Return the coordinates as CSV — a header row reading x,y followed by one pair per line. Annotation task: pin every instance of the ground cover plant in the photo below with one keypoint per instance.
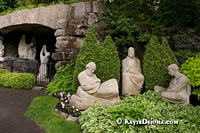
x,y
191,68
149,106
17,80
63,80
42,111
64,105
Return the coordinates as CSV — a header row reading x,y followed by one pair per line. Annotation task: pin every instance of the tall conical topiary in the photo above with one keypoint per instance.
x,y
156,62
110,62
89,52
169,52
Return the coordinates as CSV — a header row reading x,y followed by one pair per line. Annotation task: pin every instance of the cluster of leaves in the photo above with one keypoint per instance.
x,y
179,13
191,68
7,4
17,80
132,23
149,106
63,81
64,105
157,58
106,58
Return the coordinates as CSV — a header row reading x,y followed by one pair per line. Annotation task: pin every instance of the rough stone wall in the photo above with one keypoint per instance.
x,y
70,31
71,23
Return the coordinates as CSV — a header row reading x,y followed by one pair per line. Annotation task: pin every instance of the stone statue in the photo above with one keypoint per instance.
x,y
179,89
132,78
44,58
1,49
91,89
27,51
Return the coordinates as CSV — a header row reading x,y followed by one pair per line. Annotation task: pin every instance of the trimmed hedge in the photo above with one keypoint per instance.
x,y
149,106
63,82
157,58
89,52
17,80
109,67
105,57
191,68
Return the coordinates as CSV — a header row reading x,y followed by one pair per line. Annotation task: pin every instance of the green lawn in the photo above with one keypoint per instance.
x,y
42,111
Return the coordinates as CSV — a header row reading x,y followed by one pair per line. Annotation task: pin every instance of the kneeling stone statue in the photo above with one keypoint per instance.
x,y
179,89
91,90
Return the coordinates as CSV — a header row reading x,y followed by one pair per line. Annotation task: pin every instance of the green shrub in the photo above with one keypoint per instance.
x,y
169,52
157,58
105,57
109,66
2,71
18,80
149,106
63,82
90,52
191,68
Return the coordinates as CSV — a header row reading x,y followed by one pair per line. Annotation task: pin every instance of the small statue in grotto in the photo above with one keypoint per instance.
x,y
1,49
44,58
27,51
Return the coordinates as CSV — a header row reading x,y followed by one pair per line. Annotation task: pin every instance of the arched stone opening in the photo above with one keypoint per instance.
x,y
43,36
12,37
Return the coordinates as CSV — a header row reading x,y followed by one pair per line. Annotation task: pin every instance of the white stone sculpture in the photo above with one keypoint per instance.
x,y
132,78
1,49
179,89
91,90
44,58
27,51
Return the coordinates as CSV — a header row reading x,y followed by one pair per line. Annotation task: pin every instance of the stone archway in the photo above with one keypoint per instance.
x,y
42,34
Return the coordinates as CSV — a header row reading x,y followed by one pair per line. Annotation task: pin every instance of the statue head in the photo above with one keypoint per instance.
x,y
131,52
172,69
91,67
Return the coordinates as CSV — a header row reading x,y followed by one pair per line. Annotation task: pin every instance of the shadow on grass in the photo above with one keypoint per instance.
x,y
42,111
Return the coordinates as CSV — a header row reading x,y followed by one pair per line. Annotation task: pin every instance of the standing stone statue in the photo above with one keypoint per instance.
x,y
27,51
132,78
91,89
179,89
44,58
1,49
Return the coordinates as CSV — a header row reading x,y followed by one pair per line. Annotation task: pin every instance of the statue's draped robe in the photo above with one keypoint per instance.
x,y
91,84
132,78
179,90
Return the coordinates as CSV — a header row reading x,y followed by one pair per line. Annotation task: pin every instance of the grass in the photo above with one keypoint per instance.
x,y
39,5
42,111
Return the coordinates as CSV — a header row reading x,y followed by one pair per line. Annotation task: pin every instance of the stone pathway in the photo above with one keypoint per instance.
x,y
13,105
